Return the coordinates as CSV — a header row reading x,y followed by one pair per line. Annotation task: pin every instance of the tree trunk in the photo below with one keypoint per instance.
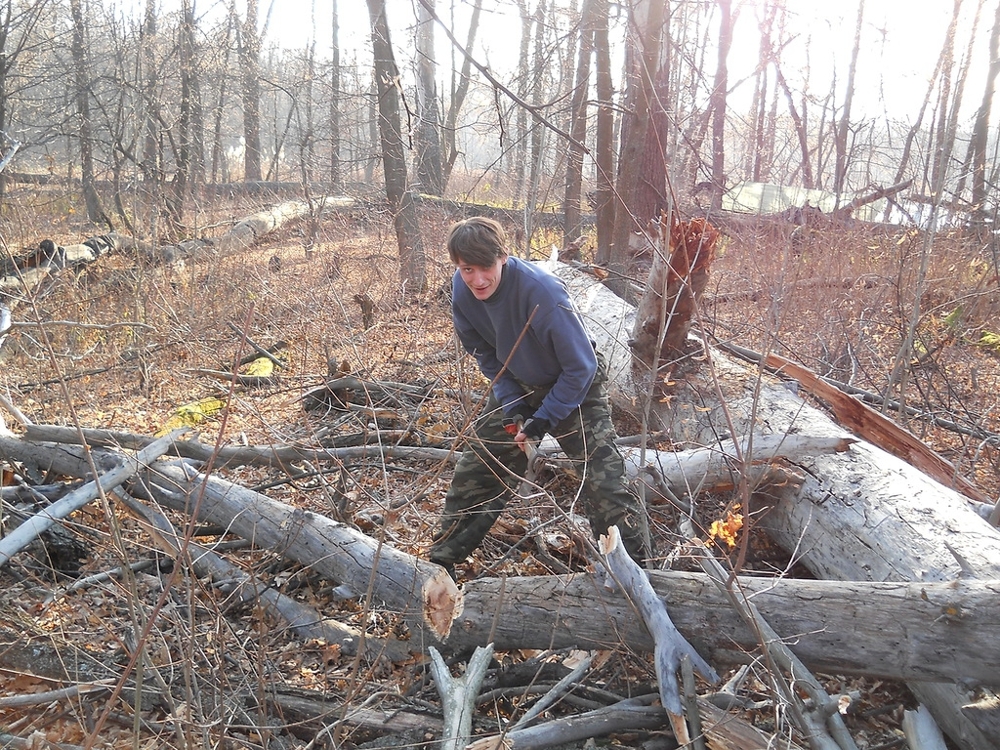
x,y
844,125
459,91
980,128
430,174
95,213
578,129
335,166
636,129
413,270
718,104
249,53
604,204
861,515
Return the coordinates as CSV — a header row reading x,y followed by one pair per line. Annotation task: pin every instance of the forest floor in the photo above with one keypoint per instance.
x,y
837,299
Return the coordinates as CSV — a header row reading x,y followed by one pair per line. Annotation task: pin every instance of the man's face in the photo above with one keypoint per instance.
x,y
482,280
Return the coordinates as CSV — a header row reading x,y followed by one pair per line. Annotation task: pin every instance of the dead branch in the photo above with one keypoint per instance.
x,y
458,695
670,646
824,731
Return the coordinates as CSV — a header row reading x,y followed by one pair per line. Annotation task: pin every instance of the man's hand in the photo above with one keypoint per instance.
x,y
531,432
513,420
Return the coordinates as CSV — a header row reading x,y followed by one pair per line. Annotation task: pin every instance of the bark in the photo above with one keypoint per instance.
x,y
420,591
604,204
95,213
458,695
718,105
460,91
670,647
301,619
634,165
249,54
844,124
22,276
335,166
800,128
25,533
980,128
669,306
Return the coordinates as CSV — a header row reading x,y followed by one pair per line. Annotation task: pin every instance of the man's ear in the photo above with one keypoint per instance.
x,y
503,259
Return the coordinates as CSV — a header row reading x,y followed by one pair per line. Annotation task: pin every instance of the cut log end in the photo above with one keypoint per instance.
x,y
443,603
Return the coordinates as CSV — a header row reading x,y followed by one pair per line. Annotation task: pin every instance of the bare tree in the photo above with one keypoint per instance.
x,y
412,262
459,92
17,23
605,152
95,212
844,125
191,145
980,129
718,104
335,86
430,173
248,46
578,128
634,167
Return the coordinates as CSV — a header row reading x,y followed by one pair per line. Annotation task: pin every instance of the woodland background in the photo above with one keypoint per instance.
x,y
168,127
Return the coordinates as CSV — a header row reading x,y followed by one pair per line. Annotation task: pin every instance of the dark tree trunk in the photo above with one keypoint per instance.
x,y
844,125
335,166
460,90
634,167
718,104
980,128
604,203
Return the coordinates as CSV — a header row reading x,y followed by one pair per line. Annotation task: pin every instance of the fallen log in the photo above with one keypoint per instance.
x,y
888,630
421,592
234,455
301,619
669,646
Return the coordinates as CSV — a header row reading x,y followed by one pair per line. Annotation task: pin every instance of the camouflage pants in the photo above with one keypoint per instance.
x,y
492,466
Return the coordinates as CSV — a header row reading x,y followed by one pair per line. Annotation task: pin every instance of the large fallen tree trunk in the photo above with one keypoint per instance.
x,y
859,515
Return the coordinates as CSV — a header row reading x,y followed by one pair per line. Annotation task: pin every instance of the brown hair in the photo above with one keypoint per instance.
x,y
477,241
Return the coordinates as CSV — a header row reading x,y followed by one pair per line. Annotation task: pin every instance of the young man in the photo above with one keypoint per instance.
x,y
519,323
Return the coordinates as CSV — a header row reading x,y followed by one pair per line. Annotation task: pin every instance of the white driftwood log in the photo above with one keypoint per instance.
x,y
303,620
921,732
670,646
400,582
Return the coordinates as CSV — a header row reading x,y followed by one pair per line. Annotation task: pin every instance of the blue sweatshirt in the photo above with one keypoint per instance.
x,y
556,353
